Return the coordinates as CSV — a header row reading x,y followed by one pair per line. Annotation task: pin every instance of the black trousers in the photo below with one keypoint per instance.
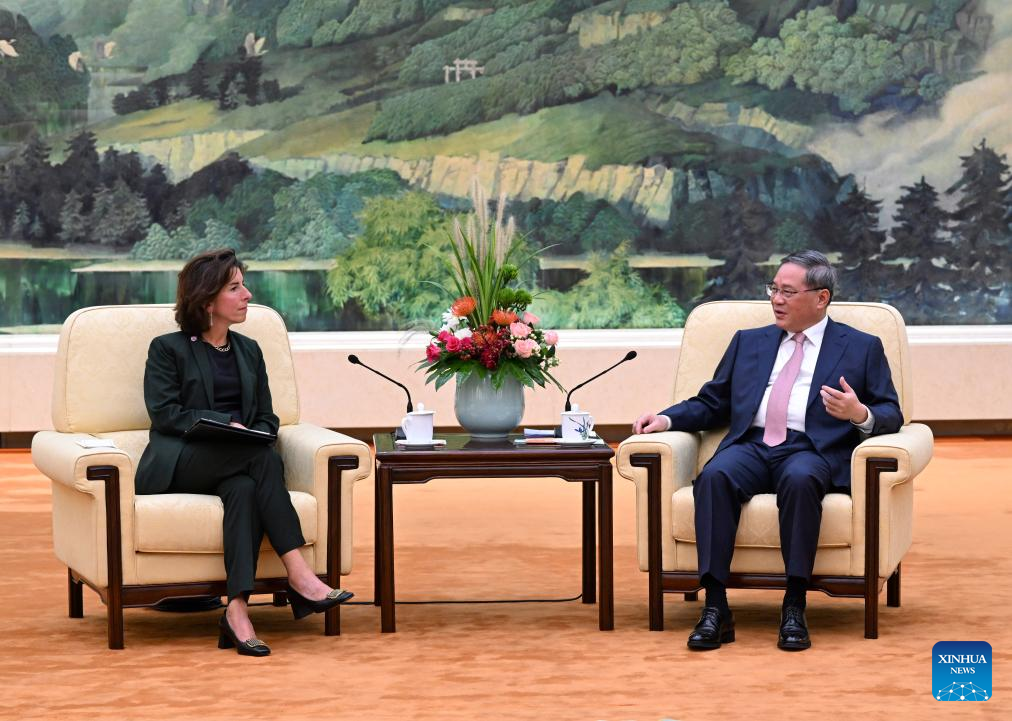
x,y
250,480
794,470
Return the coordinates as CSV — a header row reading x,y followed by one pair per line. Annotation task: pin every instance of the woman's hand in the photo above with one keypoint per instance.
x,y
236,424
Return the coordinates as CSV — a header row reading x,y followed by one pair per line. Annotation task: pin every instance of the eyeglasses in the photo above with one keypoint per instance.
x,y
786,294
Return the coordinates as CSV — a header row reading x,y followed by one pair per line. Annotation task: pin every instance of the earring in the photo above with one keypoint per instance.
x,y
210,318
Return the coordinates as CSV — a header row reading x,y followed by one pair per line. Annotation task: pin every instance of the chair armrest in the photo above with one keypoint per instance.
x,y
910,449
306,451
63,461
678,453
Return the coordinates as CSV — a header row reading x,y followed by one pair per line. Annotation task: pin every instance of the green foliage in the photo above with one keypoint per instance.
x,y
39,80
120,216
249,208
612,296
982,214
160,244
484,39
300,19
793,233
577,224
689,46
395,268
369,18
817,53
318,218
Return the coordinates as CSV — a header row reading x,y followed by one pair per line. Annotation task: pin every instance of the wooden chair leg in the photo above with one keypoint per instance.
x,y
75,596
692,596
893,589
115,621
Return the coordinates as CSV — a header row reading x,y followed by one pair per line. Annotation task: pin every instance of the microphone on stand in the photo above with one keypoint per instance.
x,y
628,357
398,432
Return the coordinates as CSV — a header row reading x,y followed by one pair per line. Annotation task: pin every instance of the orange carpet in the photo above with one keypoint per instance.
x,y
519,539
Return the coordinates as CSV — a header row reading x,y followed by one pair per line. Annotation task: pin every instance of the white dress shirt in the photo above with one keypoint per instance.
x,y
798,403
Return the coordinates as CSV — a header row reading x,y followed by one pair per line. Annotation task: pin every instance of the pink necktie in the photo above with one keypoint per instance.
x,y
776,408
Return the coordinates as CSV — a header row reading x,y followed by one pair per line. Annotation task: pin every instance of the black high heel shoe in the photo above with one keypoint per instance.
x,y
250,647
302,606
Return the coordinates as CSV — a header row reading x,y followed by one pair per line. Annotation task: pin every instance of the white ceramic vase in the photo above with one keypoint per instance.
x,y
487,413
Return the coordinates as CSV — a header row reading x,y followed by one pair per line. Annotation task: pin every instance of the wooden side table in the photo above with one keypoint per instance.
x,y
463,457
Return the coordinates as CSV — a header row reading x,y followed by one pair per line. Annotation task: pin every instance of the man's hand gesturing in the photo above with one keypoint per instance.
x,y
844,404
650,423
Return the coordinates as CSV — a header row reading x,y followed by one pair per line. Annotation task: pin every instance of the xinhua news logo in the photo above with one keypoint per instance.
x,y
961,671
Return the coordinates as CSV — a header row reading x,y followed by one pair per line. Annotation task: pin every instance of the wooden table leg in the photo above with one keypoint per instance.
x,y
589,541
606,605
377,541
388,622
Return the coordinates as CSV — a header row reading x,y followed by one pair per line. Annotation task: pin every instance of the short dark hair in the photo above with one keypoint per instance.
x,y
200,280
819,272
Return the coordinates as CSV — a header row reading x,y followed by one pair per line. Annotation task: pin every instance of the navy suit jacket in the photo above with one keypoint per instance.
x,y
733,397
179,391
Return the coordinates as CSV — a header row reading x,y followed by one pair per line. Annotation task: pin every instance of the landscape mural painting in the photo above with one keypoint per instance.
x,y
655,153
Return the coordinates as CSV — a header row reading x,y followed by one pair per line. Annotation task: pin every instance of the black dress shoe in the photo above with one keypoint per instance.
x,y
793,629
250,647
302,606
713,629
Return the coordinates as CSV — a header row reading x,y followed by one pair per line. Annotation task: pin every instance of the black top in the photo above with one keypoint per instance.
x,y
227,392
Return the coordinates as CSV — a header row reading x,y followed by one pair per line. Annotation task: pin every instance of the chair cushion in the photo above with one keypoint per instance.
x,y
191,522
759,526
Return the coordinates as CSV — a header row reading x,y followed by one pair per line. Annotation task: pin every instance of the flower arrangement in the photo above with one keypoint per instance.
x,y
488,330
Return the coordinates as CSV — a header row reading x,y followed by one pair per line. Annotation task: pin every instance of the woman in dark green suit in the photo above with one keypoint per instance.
x,y
206,371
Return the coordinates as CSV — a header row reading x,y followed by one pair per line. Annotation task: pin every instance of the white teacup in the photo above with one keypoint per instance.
x,y
576,425
418,425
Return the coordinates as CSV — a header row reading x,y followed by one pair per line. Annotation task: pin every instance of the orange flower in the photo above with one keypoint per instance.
x,y
503,317
463,306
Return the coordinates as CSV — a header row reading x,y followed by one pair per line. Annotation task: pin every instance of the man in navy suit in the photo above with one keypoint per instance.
x,y
798,395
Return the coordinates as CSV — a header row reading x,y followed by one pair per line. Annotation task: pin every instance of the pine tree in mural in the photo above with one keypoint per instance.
x,y
859,240
196,81
981,216
747,229
120,216
982,233
80,168
74,225
923,290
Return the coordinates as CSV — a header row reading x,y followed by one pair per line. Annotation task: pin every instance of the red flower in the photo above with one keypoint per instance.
x,y
453,344
444,335
463,306
466,343
432,353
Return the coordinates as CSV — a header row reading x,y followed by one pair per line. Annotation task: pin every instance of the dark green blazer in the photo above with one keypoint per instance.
x,y
179,390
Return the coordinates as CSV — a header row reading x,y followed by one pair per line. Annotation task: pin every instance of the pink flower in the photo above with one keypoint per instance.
x,y
466,343
453,344
524,348
520,330
530,318
551,337
432,353
444,335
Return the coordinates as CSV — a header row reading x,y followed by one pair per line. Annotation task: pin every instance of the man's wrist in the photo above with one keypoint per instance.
x,y
863,416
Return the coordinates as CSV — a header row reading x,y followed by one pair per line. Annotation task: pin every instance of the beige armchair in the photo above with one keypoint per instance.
x,y
138,550
863,536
